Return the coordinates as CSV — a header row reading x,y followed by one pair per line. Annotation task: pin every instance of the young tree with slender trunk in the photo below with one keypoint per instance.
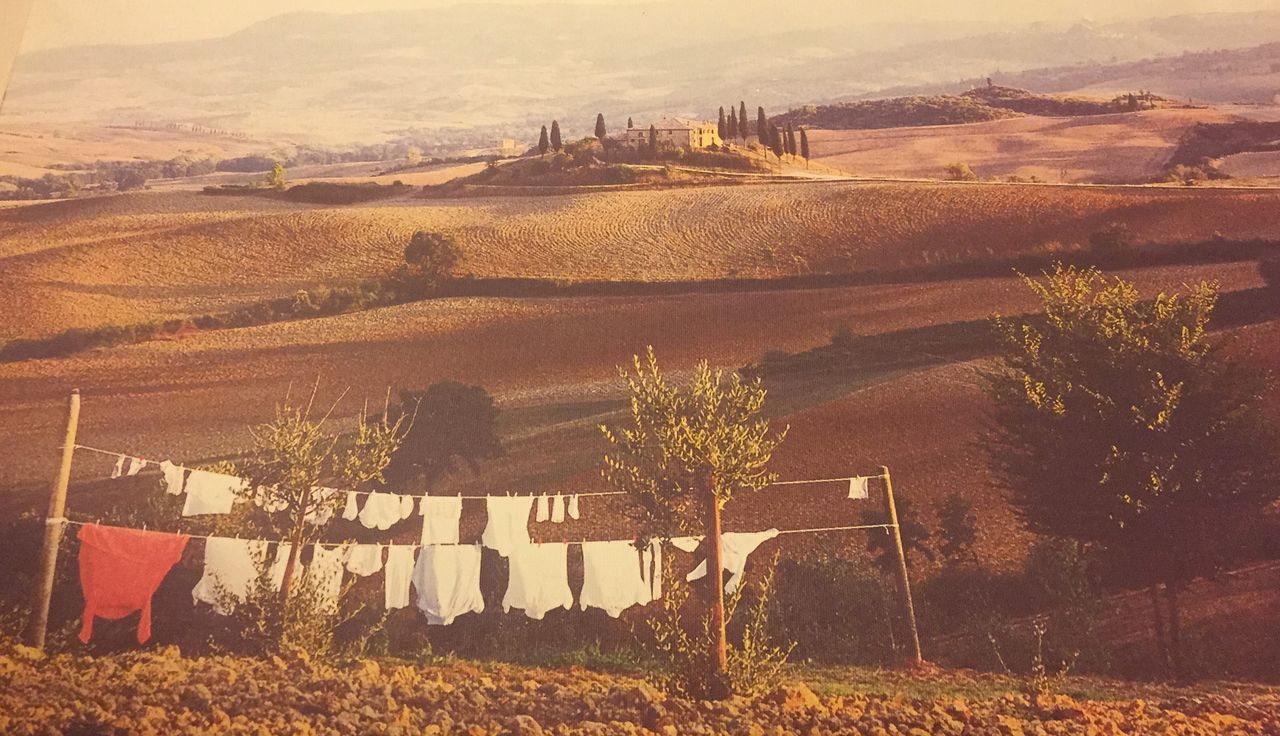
x,y
555,136
1118,423
543,142
600,130
681,455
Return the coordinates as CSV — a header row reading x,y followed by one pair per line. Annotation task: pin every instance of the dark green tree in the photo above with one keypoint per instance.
x,y
449,424
543,142
775,140
600,131
720,125
762,127
630,124
430,258
742,120
1119,424
791,141
556,143
915,536
653,139
732,126
804,145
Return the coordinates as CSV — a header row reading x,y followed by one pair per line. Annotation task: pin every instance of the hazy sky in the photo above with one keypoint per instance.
x,y
72,22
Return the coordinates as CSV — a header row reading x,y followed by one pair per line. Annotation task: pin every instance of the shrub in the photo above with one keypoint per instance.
x,y
431,257
834,611
1114,236
960,172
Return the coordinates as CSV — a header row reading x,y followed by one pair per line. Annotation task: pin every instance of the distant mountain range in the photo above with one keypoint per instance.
x,y
493,70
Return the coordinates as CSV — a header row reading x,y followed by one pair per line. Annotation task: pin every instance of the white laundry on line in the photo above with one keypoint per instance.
x,y
612,579
734,549
230,567
211,493
538,580
397,575
174,475
365,559
440,518
447,578
508,524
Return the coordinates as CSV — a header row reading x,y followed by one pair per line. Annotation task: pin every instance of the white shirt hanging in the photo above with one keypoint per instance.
x,y
397,575
734,549
211,493
230,567
611,577
440,518
365,559
447,578
508,524
538,581
173,475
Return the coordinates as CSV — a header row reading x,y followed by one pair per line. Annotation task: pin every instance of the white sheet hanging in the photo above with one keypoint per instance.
x,y
230,567
538,581
508,525
611,577
211,493
440,518
734,549
447,578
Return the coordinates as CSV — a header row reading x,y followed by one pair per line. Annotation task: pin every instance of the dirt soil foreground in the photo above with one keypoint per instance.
x,y
161,692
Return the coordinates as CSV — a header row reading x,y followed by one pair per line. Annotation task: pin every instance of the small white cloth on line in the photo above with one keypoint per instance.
x,y
612,579
557,509
858,487
351,511
173,475
230,567
735,547
136,464
365,559
508,525
573,507
211,493
538,580
542,512
397,575
118,469
440,518
447,578
325,572
406,507
381,511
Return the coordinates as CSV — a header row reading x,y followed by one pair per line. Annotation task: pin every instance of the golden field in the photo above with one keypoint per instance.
x,y
153,255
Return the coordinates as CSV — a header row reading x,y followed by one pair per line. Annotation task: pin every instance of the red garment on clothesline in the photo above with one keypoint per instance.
x,y
120,569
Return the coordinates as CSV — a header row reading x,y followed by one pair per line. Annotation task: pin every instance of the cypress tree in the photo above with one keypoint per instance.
x,y
775,140
804,146
543,142
653,139
762,127
720,125
791,140
742,120
555,136
732,127
600,131
630,124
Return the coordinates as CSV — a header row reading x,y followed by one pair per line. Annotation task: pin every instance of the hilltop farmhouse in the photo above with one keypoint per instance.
x,y
677,132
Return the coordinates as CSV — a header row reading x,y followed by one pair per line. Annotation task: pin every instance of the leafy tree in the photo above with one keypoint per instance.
x,y
448,423
915,536
742,120
543,142
721,124
556,143
275,179
804,145
960,172
600,130
681,455
958,528
431,257
1118,424
295,454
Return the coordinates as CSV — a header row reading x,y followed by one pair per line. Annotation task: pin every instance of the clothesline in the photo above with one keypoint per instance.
x,y
74,522
584,494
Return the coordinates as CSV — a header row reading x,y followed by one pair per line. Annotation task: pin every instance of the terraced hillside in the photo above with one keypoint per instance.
x,y
156,255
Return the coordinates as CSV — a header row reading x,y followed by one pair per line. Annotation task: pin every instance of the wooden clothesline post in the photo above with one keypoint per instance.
x,y
54,525
904,583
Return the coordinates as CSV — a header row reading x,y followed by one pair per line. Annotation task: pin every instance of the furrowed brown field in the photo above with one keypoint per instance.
x,y
151,255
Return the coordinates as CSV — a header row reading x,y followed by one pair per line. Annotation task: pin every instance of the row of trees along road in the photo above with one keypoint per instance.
x,y
1118,423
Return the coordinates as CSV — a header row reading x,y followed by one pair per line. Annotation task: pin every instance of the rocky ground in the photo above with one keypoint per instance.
x,y
162,692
